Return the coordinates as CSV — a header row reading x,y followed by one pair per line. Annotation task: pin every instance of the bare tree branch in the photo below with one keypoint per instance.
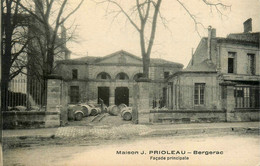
x,y
71,13
193,17
122,10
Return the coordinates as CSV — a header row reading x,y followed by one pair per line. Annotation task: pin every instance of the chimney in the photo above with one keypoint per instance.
x,y
213,33
209,42
248,25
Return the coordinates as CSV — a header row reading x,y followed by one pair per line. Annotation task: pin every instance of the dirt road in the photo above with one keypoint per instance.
x,y
237,150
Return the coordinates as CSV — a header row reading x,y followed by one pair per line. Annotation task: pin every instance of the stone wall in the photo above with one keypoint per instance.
x,y
244,115
30,119
187,116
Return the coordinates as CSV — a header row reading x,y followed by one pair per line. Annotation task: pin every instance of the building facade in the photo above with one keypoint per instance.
x,y
223,75
111,78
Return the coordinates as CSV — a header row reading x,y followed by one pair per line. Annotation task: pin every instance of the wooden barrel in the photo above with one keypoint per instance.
x,y
72,109
91,105
86,110
18,108
127,113
95,111
121,106
113,110
124,109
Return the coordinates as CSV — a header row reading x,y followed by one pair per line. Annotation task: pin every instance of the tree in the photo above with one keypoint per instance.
x,y
48,21
27,23
147,12
15,38
49,16
14,43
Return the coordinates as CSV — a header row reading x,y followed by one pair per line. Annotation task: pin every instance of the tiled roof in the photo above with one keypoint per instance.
x,y
88,59
251,37
94,59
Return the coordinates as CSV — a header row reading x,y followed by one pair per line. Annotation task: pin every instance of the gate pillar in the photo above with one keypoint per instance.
x,y
141,109
54,91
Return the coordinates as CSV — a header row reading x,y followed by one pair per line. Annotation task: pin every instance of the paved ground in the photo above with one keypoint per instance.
x,y
124,130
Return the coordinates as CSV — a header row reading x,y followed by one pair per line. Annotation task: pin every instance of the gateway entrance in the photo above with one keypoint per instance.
x,y
122,96
103,93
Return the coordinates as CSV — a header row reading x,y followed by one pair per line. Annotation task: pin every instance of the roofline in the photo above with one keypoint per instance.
x,y
184,72
236,41
76,61
115,53
116,64
243,33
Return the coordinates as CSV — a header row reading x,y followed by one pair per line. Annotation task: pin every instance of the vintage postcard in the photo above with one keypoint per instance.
x,y
130,82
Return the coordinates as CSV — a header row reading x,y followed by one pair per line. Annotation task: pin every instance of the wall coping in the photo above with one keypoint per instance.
x,y
187,111
30,113
143,80
246,110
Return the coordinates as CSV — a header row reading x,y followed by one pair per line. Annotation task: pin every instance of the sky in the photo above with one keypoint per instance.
x,y
99,34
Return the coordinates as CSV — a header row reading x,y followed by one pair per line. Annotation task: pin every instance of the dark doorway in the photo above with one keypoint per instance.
x,y
103,93
122,95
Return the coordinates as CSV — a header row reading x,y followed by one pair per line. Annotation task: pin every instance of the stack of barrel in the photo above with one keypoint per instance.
x,y
113,110
122,109
83,110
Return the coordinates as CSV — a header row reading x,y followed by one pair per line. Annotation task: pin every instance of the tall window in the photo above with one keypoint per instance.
x,y
231,62
247,96
199,93
251,64
74,94
74,74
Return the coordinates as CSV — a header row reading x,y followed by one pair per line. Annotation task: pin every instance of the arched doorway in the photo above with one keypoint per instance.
x,y
103,93
122,95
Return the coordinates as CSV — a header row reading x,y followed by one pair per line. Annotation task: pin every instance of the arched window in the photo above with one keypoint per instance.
x,y
103,76
122,76
137,76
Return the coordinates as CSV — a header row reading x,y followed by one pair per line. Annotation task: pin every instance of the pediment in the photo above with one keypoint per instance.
x,y
120,57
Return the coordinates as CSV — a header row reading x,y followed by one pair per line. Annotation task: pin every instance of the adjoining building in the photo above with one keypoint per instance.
x,y
111,78
221,82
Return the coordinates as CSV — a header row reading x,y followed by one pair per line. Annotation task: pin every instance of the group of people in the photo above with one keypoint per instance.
x,y
161,103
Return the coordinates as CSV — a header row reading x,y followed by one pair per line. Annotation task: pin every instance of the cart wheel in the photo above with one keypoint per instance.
x,y
78,116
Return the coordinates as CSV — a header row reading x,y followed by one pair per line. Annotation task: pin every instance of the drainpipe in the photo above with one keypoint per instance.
x,y
218,59
209,43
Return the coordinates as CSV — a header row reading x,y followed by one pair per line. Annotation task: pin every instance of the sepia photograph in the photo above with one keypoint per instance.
x,y
130,83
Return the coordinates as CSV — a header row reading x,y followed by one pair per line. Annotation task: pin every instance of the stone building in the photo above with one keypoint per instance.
x,y
222,77
111,78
